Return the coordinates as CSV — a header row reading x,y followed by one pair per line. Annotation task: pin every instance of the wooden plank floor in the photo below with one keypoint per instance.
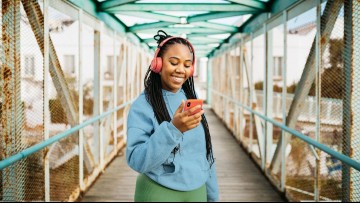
x,y
238,176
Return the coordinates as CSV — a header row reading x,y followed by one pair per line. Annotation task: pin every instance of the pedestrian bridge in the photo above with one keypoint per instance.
x,y
280,80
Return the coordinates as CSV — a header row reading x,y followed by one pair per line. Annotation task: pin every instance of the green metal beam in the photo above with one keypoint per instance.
x,y
196,40
217,15
113,3
216,26
275,7
202,34
186,30
91,7
203,47
251,3
197,47
110,20
211,25
180,7
146,26
151,15
205,40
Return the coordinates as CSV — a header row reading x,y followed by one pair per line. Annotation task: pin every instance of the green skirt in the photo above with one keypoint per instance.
x,y
148,190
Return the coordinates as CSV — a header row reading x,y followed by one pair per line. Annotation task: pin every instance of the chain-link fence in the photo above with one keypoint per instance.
x,y
323,107
88,63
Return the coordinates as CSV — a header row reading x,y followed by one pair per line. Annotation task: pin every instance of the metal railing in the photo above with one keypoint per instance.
x,y
31,150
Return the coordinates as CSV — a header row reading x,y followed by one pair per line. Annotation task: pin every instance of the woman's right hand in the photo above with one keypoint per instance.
x,y
184,121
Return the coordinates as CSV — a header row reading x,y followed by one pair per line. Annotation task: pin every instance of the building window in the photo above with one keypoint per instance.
x,y
29,65
69,64
278,65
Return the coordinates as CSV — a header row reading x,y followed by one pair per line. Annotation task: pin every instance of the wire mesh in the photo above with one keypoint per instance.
x,y
16,182
63,155
32,95
107,52
300,169
91,158
351,122
120,59
356,99
332,91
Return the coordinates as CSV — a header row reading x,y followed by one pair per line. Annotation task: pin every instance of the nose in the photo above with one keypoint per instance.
x,y
180,69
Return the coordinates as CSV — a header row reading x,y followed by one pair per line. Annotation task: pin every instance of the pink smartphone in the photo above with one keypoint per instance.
x,y
190,103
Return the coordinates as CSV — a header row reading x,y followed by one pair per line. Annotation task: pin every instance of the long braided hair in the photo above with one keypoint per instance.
x,y
153,89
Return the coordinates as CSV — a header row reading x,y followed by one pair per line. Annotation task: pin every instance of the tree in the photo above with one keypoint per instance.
x,y
332,79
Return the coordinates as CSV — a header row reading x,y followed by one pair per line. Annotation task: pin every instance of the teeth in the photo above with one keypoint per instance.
x,y
178,79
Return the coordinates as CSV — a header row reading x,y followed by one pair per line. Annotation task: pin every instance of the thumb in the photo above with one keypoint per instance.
x,y
180,108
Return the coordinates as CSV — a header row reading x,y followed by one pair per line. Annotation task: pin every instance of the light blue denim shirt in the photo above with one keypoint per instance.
x,y
149,147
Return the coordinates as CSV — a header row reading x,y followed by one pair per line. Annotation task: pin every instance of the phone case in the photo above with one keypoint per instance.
x,y
190,103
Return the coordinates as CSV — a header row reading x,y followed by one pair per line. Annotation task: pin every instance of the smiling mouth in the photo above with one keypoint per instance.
x,y
177,79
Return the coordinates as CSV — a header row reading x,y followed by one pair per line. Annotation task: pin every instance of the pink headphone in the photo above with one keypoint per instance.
x,y
156,63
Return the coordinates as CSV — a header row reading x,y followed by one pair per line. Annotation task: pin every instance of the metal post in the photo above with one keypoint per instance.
x,y
318,98
269,100
12,108
125,67
351,100
283,97
355,97
81,102
46,98
97,98
263,145
115,93
101,98
241,90
251,93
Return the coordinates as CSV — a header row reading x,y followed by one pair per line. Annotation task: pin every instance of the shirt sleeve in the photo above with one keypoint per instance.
x,y
212,187
148,148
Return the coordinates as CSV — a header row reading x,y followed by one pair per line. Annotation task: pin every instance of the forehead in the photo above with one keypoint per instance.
x,y
179,50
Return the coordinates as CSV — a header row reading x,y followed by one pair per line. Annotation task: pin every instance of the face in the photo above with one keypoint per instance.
x,y
177,61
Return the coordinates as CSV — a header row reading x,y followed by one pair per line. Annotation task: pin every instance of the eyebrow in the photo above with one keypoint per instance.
x,y
178,58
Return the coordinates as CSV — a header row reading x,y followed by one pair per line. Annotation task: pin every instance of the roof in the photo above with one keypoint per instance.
x,y
205,23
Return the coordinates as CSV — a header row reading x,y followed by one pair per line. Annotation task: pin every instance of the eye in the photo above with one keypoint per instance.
x,y
174,64
187,65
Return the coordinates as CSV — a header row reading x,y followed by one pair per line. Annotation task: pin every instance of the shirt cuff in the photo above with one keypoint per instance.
x,y
176,132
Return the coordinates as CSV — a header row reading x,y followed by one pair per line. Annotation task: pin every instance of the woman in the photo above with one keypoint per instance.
x,y
166,145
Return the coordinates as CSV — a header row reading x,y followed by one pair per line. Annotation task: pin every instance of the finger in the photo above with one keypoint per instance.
x,y
194,109
194,122
198,115
180,108
194,125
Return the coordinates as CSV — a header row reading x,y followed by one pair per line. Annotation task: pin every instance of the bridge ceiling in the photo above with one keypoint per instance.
x,y
206,23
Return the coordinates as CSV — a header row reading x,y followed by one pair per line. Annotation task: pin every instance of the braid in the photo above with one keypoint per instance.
x,y
189,90
153,88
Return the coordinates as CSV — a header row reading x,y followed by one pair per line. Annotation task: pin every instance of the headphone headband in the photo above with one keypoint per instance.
x,y
156,63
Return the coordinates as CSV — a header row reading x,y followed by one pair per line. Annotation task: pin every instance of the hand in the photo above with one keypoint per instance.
x,y
184,121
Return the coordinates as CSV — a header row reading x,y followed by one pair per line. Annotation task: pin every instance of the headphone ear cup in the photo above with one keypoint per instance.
x,y
153,64
156,64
